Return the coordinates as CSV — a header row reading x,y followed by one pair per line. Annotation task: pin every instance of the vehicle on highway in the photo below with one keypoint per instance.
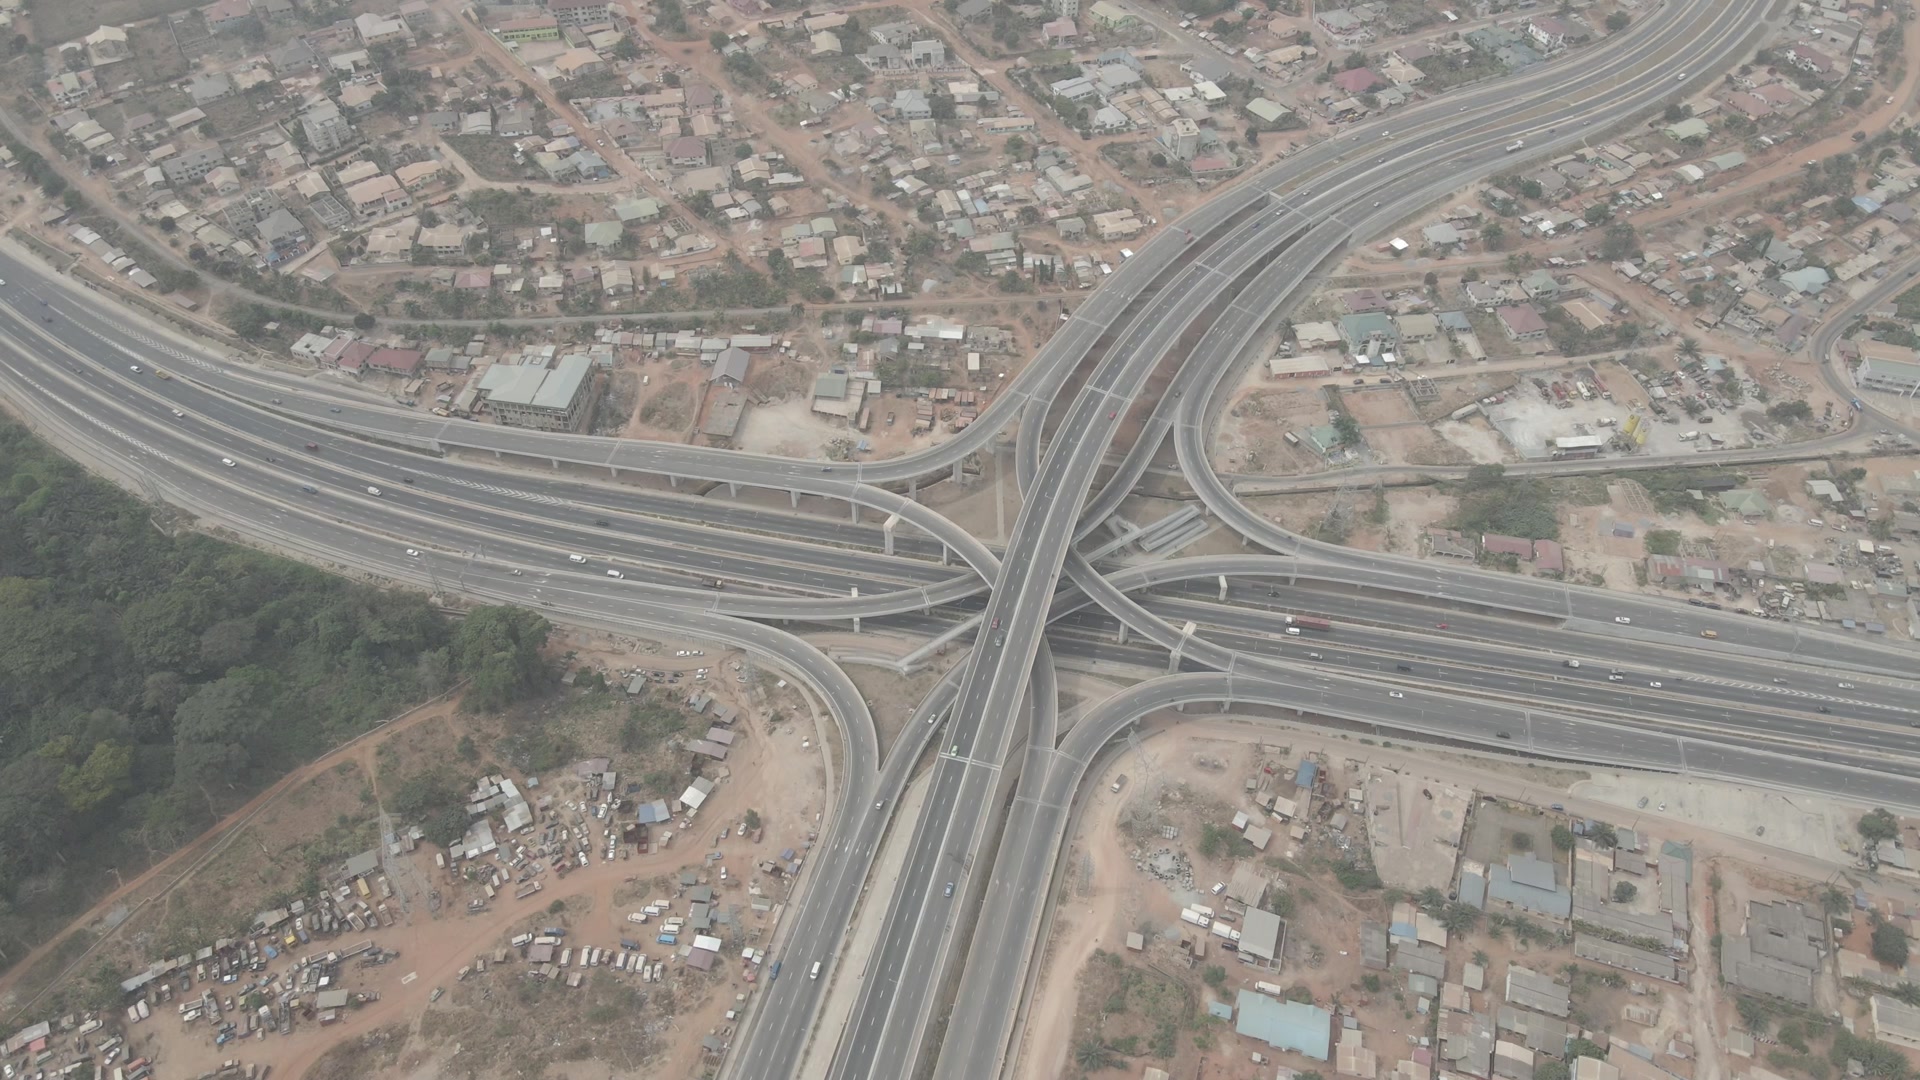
x,y
1395,693
406,479
999,640
1682,77
1710,634
1615,676
815,973
178,413
1655,684
773,972
413,552
333,408
309,489
1621,619
1824,709
1439,626
313,448
374,491
1313,656
581,559
949,888
1308,622
603,523
1845,685
1403,667
1294,630
227,461
1515,145
1501,735
878,803
135,368
615,574
996,622
1573,663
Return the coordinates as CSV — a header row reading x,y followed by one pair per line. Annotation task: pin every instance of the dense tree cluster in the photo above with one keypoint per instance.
x,y
149,681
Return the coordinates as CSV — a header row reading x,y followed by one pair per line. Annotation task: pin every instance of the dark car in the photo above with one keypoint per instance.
x,y
604,523
1501,735
1403,667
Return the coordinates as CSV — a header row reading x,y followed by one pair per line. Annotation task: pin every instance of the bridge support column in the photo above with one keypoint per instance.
x,y
672,480
959,472
853,512
1121,637
886,531
613,471
556,463
496,455
946,554
1173,658
913,489
856,618
1223,588
794,498
733,490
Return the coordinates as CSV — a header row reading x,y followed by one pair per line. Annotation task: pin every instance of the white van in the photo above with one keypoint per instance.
x,y
374,491
576,558
615,574
815,973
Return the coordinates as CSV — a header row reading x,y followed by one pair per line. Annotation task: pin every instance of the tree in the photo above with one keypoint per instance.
x,y
751,819
1562,838
1835,900
1094,1055
363,321
499,649
1431,900
1663,542
1877,825
1619,242
1597,213
1790,412
1618,21
1458,918
1493,235
1689,348
1602,835
1583,1047
1214,975
1889,944
719,40
98,779
1347,428
1549,1069
1624,892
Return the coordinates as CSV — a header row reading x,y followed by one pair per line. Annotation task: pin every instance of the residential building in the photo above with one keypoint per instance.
x,y
378,29
380,195
1181,139
326,129
1110,16
1521,322
107,45
1284,1025
446,241
190,166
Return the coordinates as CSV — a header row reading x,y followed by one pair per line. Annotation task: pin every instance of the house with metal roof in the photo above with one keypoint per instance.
x,y
1285,1025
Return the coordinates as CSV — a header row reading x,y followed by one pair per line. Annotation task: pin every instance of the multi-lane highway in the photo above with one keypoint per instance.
x,y
417,500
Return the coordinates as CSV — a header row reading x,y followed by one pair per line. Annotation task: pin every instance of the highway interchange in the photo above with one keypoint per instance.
x,y
1766,703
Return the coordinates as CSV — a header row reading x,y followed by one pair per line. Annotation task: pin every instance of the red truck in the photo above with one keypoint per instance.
x,y
1308,622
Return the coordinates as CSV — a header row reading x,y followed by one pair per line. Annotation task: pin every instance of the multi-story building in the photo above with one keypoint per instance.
x,y
326,129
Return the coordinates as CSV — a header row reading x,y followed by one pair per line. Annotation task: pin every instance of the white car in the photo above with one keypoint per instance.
x,y
180,414
1655,684
135,368
1616,677
227,461
1622,619
414,552
374,491
615,574
1845,685
1395,693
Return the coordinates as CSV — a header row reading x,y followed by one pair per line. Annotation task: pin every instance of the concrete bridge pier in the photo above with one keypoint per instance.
x,y
794,498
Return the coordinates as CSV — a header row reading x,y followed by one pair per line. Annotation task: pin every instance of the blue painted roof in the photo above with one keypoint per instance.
x,y
1285,1025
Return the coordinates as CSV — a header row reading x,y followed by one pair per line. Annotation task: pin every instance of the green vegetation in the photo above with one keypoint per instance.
x,y
152,679
1877,825
1790,412
1491,502
1889,944
1624,892
1562,838
1663,542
